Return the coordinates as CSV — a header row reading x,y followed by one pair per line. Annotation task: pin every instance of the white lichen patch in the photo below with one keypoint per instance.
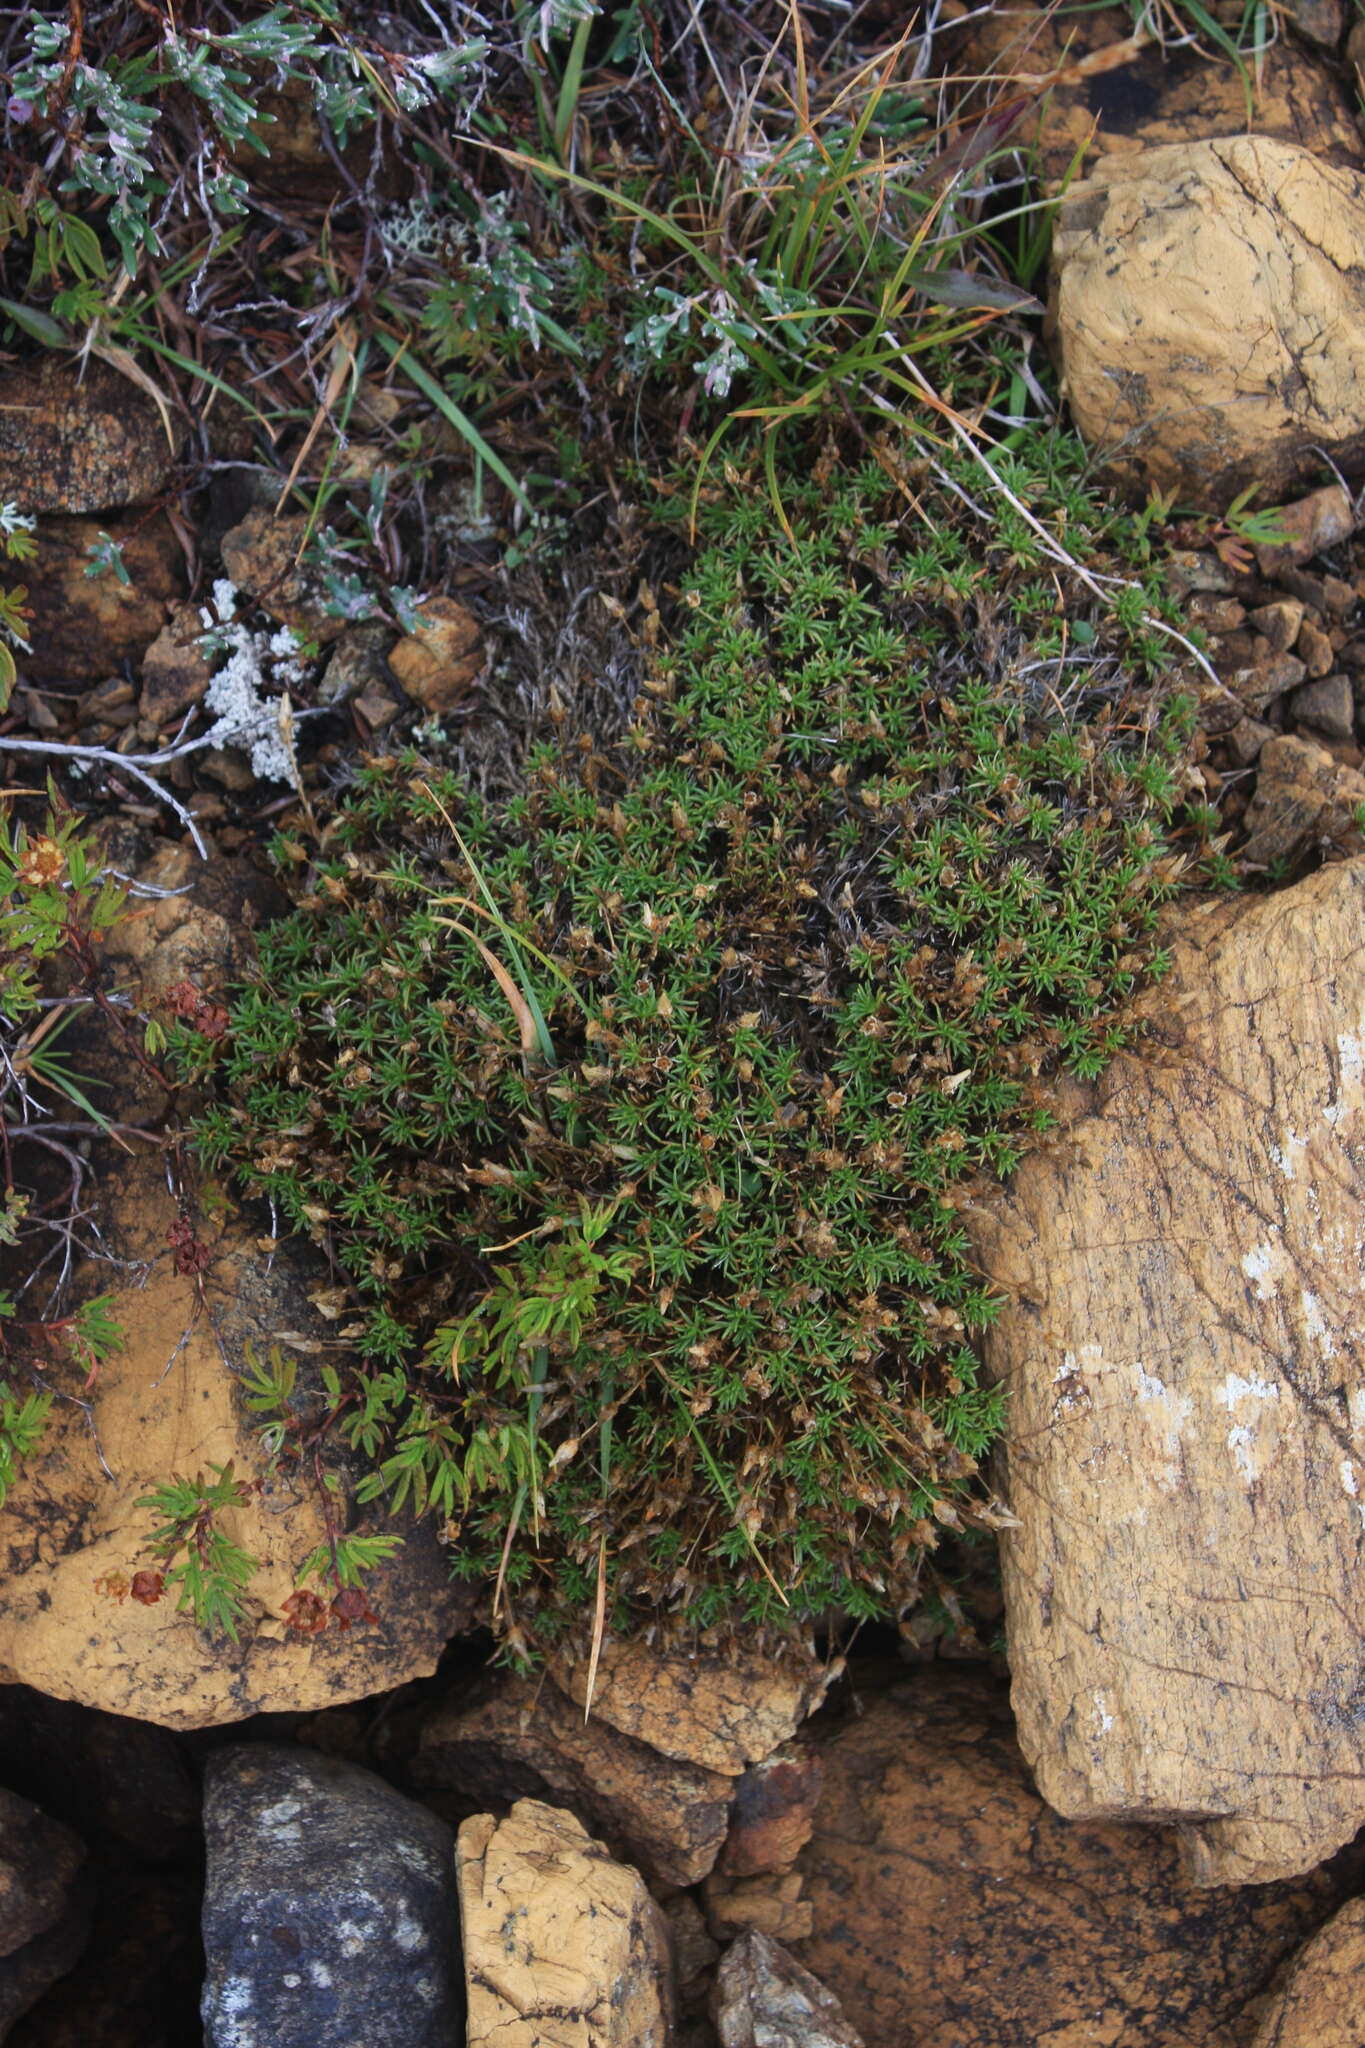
x,y
1242,1444
1285,1154
234,2013
280,1821
1235,1389
1315,1323
245,716
408,1934
350,1938
1259,1265
1167,1413
1241,1439
1351,1077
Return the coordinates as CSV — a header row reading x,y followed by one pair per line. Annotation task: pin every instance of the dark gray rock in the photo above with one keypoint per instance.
x,y
104,1774
46,1896
330,1916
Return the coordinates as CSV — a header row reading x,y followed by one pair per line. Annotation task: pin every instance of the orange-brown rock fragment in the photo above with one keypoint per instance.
x,y
1304,802
262,556
721,1712
953,1909
1184,1348
773,1811
437,665
176,672
1321,2003
509,1738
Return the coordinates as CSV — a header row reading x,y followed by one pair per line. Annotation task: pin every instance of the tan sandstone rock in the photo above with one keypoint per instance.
x,y
506,1737
1321,2003
176,672
1185,1355
563,1948
771,1903
953,1909
1304,801
721,1712
193,923
72,1536
1209,312
437,665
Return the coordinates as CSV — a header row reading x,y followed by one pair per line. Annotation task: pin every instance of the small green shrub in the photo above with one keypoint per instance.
x,y
17,544
22,1423
634,1113
117,152
209,1572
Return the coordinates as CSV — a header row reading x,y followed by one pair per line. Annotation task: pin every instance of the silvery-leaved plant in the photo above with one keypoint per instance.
x,y
555,17
110,116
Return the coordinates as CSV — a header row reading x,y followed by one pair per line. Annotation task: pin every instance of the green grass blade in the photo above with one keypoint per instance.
x,y
401,356
571,85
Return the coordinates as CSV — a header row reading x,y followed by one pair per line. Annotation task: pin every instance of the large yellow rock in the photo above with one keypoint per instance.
x,y
1184,1348
1209,311
73,1538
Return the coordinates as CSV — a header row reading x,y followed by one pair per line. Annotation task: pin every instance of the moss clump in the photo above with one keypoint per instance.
x,y
631,1111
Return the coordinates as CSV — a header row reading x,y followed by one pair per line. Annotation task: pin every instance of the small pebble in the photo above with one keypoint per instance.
x,y
1327,706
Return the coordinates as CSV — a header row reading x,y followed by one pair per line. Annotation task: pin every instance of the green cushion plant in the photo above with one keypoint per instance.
x,y
635,1111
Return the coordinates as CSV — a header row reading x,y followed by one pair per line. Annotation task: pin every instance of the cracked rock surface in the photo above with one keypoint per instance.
x,y
563,1947
722,1713
1208,308
503,1738
1185,1357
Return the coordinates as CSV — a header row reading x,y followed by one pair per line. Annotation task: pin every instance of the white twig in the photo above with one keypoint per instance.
x,y
136,764
139,765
